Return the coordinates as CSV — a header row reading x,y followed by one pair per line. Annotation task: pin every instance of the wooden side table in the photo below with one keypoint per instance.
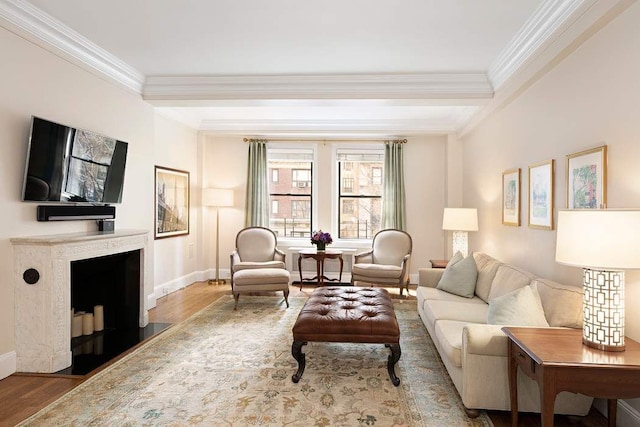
x,y
439,263
558,361
320,257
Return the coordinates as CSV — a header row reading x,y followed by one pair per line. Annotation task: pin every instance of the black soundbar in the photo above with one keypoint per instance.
x,y
74,212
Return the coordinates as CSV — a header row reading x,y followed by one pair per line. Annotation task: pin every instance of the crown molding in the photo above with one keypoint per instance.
x,y
31,23
345,86
586,19
545,24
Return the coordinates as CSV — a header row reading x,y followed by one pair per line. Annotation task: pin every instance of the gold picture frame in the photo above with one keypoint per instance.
x,y
586,179
171,202
541,184
511,197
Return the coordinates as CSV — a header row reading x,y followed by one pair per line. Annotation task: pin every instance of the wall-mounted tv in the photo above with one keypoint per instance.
x,y
66,164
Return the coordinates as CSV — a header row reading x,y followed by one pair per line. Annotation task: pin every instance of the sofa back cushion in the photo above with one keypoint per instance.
x,y
562,304
521,307
487,268
508,278
460,277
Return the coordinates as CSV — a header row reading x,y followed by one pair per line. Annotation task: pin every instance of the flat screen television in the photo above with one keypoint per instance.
x,y
66,164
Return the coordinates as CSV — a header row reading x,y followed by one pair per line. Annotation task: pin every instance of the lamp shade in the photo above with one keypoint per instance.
x,y
605,239
460,219
220,197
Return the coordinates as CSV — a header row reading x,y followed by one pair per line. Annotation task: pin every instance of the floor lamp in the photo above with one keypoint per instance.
x,y
460,221
218,198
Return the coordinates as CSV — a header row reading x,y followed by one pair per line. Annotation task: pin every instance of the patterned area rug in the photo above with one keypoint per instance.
x,y
226,368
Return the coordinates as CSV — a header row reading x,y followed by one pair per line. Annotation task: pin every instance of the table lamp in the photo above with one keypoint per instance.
x,y
604,242
460,221
218,198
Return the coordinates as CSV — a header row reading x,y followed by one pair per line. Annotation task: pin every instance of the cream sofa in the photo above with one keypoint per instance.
x,y
475,353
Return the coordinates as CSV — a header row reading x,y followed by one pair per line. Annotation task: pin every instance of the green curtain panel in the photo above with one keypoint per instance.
x,y
257,203
393,200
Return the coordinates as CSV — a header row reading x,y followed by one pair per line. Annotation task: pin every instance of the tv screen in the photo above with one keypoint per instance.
x,y
65,164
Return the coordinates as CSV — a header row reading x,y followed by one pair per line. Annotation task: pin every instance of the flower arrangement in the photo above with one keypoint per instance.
x,y
321,239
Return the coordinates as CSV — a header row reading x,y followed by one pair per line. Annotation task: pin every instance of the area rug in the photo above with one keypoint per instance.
x,y
233,368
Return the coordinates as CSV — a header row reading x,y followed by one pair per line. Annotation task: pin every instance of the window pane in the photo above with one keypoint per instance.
x,y
360,218
360,193
290,193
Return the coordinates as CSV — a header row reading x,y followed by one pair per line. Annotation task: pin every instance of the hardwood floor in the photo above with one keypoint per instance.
x,y
22,395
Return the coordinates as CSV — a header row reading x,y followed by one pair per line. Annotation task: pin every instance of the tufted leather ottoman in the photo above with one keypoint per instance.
x,y
347,314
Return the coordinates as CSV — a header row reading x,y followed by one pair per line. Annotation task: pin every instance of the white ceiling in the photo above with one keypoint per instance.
x,y
289,68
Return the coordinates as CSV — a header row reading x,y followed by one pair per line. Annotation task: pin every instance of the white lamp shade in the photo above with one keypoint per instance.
x,y
460,219
605,239
219,197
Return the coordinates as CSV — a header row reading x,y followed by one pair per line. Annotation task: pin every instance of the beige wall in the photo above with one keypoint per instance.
x,y
35,82
425,184
589,99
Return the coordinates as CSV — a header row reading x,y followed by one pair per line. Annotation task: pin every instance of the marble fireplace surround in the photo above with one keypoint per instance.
x,y
42,309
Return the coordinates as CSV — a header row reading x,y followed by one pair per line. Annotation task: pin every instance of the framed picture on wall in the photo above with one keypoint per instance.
x,y
171,202
541,195
587,179
511,197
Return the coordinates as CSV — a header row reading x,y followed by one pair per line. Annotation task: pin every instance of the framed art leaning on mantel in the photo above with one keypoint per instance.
x,y
511,197
172,202
541,195
587,179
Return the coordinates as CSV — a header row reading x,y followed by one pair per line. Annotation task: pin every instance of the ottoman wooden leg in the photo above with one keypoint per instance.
x,y
286,297
296,351
236,297
391,362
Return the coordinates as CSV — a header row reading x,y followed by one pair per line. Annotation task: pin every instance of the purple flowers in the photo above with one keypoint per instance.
x,y
320,237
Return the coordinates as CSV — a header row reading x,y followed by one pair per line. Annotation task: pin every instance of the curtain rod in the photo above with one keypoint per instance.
x,y
386,140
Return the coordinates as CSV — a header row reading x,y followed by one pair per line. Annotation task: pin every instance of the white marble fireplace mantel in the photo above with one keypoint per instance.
x,y
42,309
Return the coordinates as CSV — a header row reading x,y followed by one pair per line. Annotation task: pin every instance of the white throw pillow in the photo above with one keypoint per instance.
x,y
459,278
521,307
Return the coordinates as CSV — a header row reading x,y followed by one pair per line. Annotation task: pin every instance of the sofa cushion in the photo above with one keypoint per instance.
x,y
427,293
487,268
562,304
521,307
449,336
508,278
460,278
463,311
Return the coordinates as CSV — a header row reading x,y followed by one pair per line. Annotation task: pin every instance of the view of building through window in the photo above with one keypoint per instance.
x,y
290,192
359,192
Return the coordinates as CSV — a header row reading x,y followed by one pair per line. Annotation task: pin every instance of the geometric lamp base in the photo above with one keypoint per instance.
x,y
603,308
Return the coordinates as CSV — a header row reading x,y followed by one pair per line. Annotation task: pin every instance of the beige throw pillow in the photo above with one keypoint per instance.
x,y
521,307
459,278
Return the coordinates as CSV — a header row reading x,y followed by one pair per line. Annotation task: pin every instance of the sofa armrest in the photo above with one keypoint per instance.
x,y
488,340
429,276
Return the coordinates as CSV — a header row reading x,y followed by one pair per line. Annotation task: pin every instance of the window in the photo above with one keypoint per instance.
x,y
301,178
291,194
376,174
360,207
274,175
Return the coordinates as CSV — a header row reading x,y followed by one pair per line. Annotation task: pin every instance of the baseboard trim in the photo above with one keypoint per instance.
x,y
7,364
174,285
627,416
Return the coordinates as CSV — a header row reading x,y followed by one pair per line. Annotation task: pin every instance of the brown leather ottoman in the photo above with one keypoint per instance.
x,y
347,314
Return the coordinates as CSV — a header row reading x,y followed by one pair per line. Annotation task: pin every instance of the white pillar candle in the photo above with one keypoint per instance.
x,y
87,324
98,318
76,326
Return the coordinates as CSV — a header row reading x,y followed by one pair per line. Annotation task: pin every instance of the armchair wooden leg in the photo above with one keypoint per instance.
x,y
286,298
236,297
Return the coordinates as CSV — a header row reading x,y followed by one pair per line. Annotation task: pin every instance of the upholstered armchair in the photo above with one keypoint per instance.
x,y
387,262
257,264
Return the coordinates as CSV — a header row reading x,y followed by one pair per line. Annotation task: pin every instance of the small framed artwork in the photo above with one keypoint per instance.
x,y
171,202
541,195
511,197
587,179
